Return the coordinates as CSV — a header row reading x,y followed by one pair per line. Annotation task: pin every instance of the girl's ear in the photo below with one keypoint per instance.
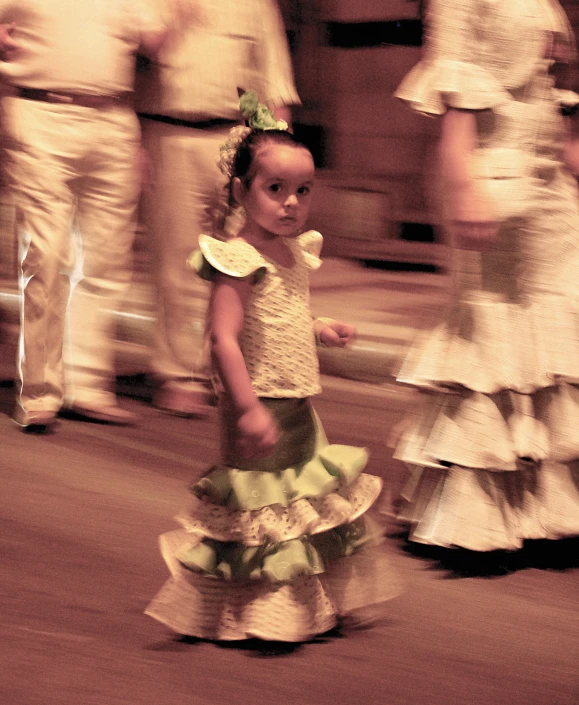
x,y
238,190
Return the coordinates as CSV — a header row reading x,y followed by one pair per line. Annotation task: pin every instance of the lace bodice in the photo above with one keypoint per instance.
x,y
277,341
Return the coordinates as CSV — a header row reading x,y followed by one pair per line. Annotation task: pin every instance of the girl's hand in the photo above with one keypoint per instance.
x,y
258,432
336,334
474,225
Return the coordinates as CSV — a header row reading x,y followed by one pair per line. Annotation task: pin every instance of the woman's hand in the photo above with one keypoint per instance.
x,y
336,334
469,209
474,226
258,432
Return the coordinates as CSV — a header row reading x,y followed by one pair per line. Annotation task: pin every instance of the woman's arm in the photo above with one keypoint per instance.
x,y
457,142
257,430
469,208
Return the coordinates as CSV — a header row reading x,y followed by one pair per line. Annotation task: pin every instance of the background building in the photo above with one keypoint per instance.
x,y
375,198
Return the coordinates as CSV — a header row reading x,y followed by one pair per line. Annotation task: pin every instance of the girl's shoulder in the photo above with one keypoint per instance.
x,y
234,257
311,243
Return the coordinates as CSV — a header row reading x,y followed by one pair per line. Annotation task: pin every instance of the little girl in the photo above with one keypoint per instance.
x,y
271,547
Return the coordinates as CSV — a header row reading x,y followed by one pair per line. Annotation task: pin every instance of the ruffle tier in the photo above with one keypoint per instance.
x,y
434,85
494,445
277,522
332,466
192,604
275,562
484,511
498,432
488,346
272,552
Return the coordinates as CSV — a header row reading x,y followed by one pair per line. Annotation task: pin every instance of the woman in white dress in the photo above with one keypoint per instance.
x,y
494,449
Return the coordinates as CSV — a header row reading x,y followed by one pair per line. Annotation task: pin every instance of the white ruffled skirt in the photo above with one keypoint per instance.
x,y
494,446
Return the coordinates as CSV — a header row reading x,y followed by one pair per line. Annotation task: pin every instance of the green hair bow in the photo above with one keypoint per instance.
x,y
257,115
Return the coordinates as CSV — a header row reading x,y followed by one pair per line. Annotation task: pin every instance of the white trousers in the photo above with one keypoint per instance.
x,y
74,174
178,204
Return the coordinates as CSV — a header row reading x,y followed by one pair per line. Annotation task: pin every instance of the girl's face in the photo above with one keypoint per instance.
x,y
278,197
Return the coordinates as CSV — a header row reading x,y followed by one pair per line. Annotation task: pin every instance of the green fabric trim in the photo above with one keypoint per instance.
x,y
276,562
334,467
303,464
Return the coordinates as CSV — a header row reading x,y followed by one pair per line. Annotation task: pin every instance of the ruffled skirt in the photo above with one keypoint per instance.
x,y
493,448
279,548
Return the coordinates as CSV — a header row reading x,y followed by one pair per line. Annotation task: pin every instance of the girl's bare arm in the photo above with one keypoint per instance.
x,y
258,432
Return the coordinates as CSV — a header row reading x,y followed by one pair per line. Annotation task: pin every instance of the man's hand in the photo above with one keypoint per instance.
x,y
186,13
7,45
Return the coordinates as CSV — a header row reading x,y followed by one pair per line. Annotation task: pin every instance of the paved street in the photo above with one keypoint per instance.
x,y
81,510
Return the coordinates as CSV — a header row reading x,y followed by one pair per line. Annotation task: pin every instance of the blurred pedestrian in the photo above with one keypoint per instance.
x,y
495,447
72,151
188,101
273,545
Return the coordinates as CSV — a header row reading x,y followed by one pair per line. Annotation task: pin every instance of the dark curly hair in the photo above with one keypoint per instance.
x,y
245,156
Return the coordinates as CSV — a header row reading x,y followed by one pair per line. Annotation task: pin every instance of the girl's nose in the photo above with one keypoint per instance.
x,y
291,200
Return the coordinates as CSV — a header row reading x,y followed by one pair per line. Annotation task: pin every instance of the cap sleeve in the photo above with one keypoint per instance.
x,y
454,71
433,86
235,258
311,244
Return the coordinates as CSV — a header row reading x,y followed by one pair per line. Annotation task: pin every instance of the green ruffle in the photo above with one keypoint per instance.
x,y
199,264
333,467
280,562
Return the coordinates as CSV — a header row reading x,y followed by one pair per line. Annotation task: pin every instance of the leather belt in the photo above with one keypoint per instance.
x,y
82,100
212,124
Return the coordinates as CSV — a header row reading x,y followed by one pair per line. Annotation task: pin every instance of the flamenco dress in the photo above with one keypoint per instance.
x,y
494,446
277,548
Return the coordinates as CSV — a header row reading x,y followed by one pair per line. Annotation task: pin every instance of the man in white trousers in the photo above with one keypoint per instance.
x,y
72,157
188,101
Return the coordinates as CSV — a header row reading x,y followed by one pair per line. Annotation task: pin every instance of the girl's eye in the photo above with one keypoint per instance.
x,y
303,190
275,188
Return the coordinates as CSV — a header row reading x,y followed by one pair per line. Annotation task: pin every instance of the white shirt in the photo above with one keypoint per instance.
x,y
230,44
78,46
